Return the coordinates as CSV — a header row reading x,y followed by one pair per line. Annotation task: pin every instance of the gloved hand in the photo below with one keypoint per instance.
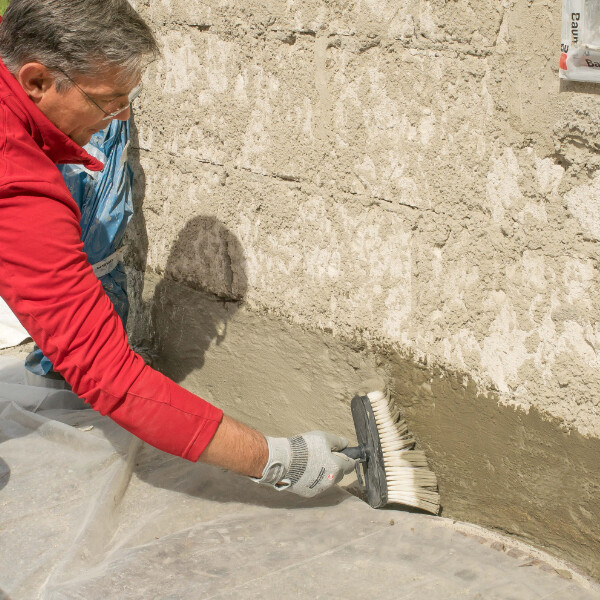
x,y
307,464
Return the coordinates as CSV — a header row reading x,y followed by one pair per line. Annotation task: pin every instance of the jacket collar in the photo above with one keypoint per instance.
x,y
59,148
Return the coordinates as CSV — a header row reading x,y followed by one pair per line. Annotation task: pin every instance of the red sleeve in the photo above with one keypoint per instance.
x,y
47,282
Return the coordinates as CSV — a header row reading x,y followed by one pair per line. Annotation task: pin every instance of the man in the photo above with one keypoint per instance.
x,y
69,68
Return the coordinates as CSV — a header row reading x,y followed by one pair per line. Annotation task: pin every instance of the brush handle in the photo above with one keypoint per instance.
x,y
359,454
355,453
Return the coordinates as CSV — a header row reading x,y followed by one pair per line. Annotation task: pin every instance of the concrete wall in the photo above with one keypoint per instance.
x,y
408,181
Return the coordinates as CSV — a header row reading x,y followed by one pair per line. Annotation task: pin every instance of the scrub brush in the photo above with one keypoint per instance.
x,y
393,470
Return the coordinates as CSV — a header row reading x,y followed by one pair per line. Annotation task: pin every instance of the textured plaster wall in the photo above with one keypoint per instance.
x,y
410,172
405,174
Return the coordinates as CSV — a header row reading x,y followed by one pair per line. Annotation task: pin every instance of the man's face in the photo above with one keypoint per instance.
x,y
78,112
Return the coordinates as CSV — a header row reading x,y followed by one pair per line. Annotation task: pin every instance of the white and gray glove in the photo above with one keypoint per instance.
x,y
306,464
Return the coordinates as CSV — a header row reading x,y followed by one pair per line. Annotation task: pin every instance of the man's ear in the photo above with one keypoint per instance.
x,y
36,80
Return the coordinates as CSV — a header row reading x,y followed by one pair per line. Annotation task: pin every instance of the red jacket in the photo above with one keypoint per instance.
x,y
47,281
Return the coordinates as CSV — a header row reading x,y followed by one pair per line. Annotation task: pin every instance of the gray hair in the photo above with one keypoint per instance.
x,y
79,37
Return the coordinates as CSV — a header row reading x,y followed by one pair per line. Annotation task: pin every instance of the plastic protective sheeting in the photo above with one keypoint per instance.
x,y
12,333
88,512
105,201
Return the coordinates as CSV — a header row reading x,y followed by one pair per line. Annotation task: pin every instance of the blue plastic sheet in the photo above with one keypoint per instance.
x,y
105,201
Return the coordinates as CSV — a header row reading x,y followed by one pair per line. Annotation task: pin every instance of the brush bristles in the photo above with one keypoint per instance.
x,y
409,480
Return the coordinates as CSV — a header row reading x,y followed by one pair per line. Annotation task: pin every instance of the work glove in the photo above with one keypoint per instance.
x,y
307,464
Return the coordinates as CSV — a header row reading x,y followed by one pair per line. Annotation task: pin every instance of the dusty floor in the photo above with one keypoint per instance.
x,y
89,512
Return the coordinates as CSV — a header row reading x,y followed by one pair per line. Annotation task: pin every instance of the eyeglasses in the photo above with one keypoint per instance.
x,y
108,116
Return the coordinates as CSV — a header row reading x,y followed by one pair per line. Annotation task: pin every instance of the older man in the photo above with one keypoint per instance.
x,y
70,67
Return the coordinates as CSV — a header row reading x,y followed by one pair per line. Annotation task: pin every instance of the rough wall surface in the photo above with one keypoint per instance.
x,y
405,173
406,170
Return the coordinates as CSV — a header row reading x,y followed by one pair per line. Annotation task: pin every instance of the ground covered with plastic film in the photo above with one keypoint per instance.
x,y
87,511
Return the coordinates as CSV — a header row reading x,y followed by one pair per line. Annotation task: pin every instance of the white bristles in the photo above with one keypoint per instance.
x,y
409,480
375,396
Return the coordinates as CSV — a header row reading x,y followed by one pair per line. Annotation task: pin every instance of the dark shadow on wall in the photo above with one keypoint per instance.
x,y
206,265
205,258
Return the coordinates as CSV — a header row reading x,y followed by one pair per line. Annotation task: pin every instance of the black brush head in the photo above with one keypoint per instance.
x,y
368,438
